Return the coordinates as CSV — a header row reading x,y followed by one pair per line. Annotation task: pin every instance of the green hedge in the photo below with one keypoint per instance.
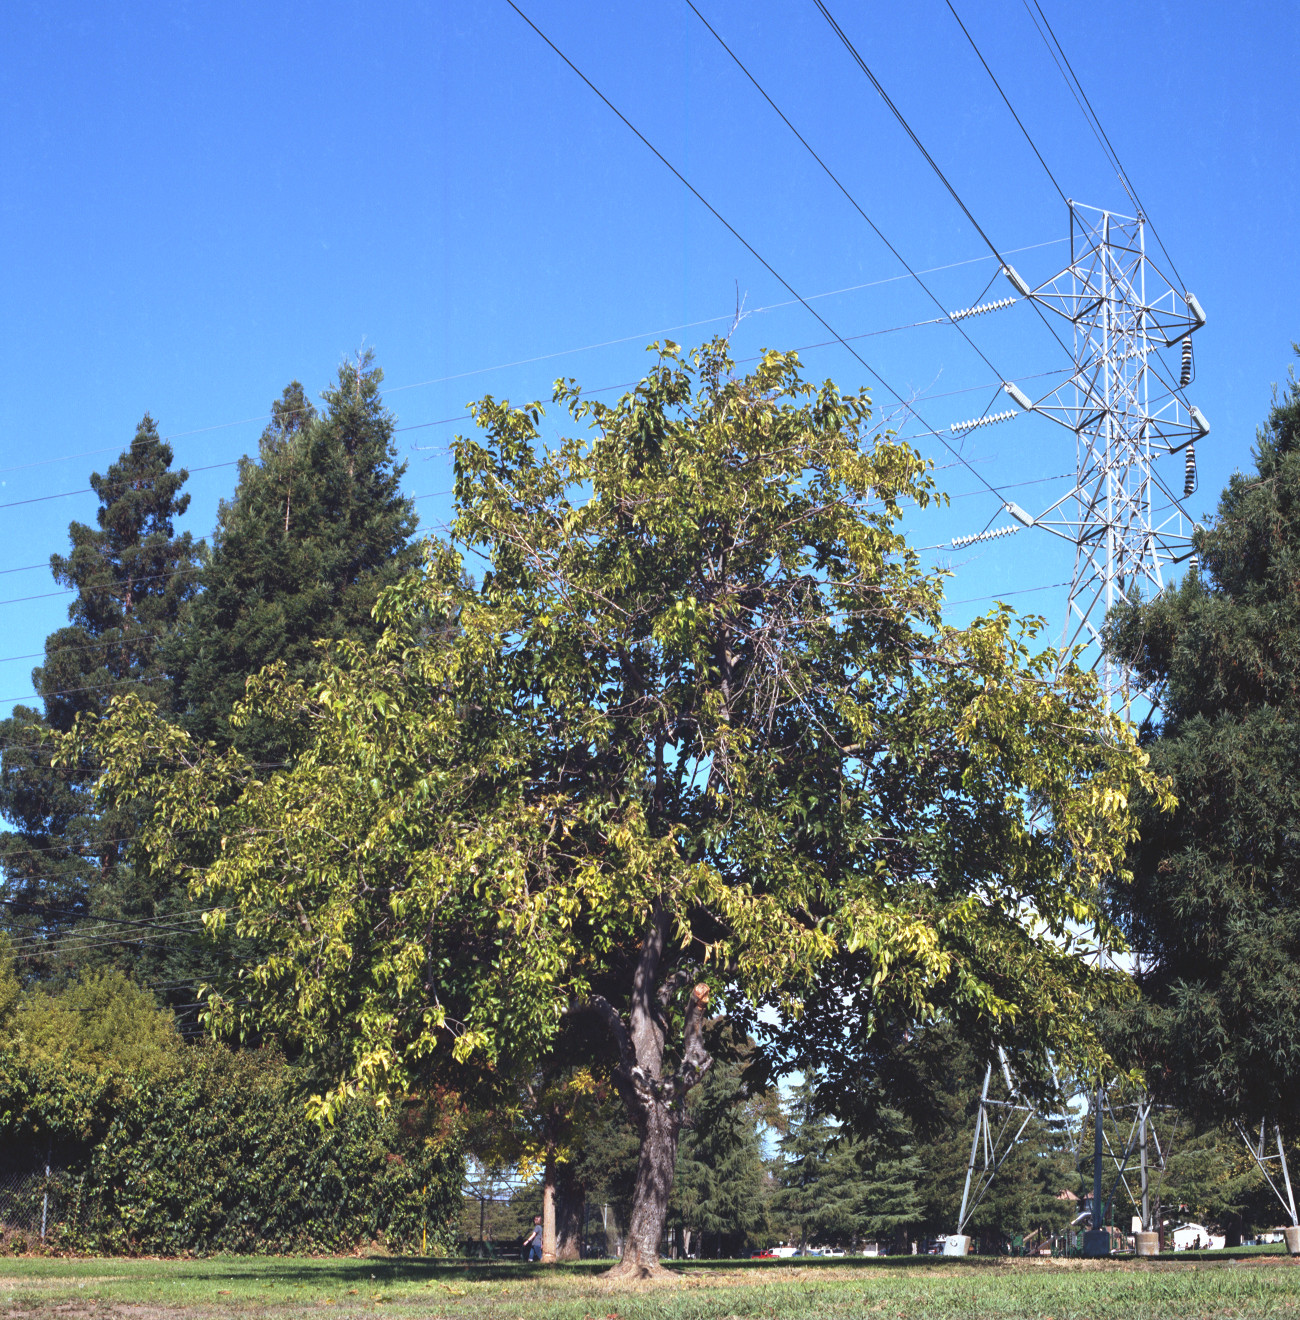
x,y
216,1154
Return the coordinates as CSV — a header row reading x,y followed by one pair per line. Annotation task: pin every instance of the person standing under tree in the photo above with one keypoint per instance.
x,y
533,1242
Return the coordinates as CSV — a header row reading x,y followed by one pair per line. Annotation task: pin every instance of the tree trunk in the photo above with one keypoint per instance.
x,y
655,1102
548,1213
655,1167
570,1208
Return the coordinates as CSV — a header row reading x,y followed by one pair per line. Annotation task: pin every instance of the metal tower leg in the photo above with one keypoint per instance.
x,y
981,1122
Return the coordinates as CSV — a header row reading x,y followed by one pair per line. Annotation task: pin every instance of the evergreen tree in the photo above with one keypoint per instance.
x,y
889,1199
64,858
1026,1193
1213,912
720,1188
824,1191
316,529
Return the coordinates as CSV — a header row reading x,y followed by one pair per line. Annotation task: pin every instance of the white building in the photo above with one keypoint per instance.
x,y
1190,1237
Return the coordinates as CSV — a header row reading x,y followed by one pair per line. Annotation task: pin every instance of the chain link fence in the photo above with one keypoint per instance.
x,y
35,1205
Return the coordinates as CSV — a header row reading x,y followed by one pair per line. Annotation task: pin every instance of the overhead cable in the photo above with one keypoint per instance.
x,y
735,233
920,146
43,910
1094,122
87,490
1006,101
853,201
543,357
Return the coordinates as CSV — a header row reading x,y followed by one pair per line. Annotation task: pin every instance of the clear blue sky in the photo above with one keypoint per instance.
x,y
201,202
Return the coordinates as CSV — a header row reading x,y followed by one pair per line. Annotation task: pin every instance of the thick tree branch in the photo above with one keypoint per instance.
x,y
646,1018
672,984
696,1060
611,1017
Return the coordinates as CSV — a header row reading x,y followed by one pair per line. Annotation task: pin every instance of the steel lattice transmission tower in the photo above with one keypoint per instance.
x,y
1133,428
1126,406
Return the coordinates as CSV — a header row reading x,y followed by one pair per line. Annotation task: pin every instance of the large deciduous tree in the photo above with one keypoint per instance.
x,y
1213,914
697,730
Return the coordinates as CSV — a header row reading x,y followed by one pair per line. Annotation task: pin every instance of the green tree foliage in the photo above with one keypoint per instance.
x,y
889,1200
317,528
165,1149
699,731
818,1177
940,1076
1213,913
102,1021
64,856
68,1059
839,1189
1211,1179
720,1189
217,1156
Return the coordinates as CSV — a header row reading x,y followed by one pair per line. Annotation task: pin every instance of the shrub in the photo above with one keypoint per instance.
x,y
219,1156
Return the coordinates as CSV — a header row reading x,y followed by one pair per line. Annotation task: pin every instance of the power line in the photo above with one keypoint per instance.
x,y
830,174
25,568
1094,122
64,947
84,646
90,939
42,910
920,146
1015,485
147,577
503,366
137,636
89,490
154,577
681,178
1006,101
175,834
998,595
907,128
802,348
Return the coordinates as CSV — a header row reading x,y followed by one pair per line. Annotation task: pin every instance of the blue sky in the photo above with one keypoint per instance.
x,y
202,202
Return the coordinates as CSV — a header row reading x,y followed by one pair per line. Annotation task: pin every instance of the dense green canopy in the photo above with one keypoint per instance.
x,y
316,529
1214,911
131,574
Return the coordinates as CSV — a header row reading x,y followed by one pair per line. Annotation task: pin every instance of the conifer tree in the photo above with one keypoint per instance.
x,y
889,1198
64,858
316,529
839,1188
720,1193
1213,913
818,1178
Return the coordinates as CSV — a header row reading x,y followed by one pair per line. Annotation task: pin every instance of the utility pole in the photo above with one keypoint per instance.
x,y
1132,428
1096,1242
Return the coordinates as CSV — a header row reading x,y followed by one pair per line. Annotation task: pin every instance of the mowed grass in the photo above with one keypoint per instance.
x,y
893,1289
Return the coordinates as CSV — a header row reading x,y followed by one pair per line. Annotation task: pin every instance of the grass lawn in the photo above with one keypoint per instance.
x,y
890,1289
